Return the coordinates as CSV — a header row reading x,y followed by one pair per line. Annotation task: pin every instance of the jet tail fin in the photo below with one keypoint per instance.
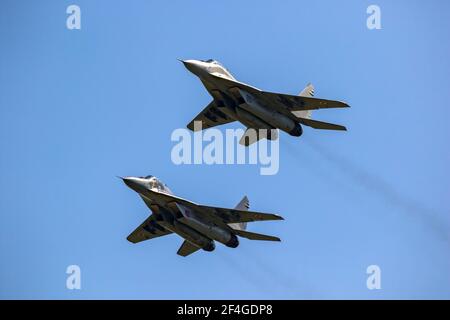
x,y
244,204
255,236
307,92
305,116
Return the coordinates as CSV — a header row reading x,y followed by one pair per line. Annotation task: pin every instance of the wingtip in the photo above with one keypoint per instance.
x,y
345,104
131,240
190,127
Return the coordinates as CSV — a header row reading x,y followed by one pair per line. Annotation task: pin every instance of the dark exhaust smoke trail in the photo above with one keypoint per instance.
x,y
245,273
312,167
384,190
275,277
290,283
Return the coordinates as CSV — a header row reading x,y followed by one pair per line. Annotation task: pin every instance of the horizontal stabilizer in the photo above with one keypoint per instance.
x,y
255,236
249,137
252,135
297,103
236,216
187,248
321,125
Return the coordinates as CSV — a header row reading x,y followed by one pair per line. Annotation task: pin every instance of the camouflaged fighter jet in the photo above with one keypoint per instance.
x,y
199,225
256,109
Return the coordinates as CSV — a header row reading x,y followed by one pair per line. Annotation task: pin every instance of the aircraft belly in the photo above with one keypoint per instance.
x,y
251,120
224,103
209,230
188,233
272,117
247,109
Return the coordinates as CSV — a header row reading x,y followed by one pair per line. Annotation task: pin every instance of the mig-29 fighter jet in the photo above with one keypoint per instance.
x,y
199,225
256,109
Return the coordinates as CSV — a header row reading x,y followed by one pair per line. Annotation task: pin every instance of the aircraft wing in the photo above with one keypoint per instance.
x,y
187,248
165,198
210,117
236,84
148,229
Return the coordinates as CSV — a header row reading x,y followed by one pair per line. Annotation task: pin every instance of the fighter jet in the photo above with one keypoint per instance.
x,y
199,225
256,109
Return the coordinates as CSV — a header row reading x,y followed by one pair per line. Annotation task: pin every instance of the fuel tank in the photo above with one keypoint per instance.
x,y
190,234
211,231
250,120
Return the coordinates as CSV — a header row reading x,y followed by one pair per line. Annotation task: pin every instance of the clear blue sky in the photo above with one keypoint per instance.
x,y
78,108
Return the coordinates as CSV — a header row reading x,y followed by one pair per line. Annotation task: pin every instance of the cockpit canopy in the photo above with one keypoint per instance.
x,y
154,183
213,61
218,68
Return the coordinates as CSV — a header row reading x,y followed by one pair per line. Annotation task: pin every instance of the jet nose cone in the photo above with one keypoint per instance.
x,y
137,184
192,65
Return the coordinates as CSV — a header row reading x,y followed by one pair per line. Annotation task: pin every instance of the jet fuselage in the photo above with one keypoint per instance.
x,y
179,219
238,104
